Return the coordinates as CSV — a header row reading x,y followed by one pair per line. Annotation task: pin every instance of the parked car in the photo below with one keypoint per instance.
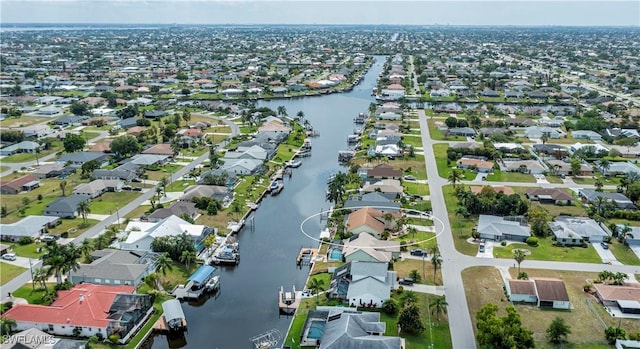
x,y
49,238
406,281
136,189
409,178
136,180
481,249
127,187
9,256
604,245
418,252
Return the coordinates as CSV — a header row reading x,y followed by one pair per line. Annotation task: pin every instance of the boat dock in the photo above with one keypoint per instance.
x,y
226,253
307,256
196,284
173,319
289,301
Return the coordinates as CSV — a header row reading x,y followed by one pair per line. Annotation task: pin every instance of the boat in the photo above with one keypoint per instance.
x,y
213,284
331,178
276,187
294,163
288,301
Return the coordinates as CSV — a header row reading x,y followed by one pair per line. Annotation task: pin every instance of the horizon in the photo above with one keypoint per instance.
x,y
516,13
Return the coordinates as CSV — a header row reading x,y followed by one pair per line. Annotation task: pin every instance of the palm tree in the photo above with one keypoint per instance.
x,y
455,176
436,260
623,232
598,185
86,247
164,263
56,260
236,208
163,184
6,326
604,167
152,281
84,208
412,230
187,258
40,276
519,256
282,110
300,116
63,186
438,306
316,285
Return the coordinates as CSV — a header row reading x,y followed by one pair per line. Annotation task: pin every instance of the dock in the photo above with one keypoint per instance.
x,y
289,301
307,256
196,284
173,319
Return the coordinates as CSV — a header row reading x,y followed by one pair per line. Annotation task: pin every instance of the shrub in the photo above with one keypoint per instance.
x,y
64,234
523,276
114,338
389,307
503,243
63,286
25,240
532,241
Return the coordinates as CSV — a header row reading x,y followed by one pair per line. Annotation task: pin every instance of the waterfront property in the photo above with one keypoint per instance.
x,y
197,283
141,234
87,310
115,267
364,284
172,319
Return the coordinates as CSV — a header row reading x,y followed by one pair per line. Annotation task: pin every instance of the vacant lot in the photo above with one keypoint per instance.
x,y
484,285
444,167
107,203
9,271
545,251
499,176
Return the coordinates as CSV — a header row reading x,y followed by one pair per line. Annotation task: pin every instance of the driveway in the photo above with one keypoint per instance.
x,y
606,255
22,262
488,250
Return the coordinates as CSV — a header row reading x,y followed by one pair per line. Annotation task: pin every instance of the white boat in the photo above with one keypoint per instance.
x,y
276,187
294,164
213,284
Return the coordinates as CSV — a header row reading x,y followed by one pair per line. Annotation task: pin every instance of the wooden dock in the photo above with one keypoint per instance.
x,y
162,327
289,301
307,255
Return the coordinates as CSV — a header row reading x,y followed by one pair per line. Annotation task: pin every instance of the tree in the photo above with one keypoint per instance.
x,y
604,167
129,112
409,320
316,285
501,332
282,110
187,258
6,326
162,183
125,146
438,306
164,263
519,256
538,218
558,331
612,333
78,108
73,142
63,186
455,176
40,276
186,116
436,260
598,184
415,275
336,188
214,158
88,168
390,306
576,166
84,208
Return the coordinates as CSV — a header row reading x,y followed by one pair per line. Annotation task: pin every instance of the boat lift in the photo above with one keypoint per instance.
x,y
266,340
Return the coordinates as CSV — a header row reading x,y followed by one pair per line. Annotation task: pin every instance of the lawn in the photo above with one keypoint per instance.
x,y
164,171
22,121
623,253
592,180
325,278
4,168
138,211
545,251
284,153
9,271
499,176
31,295
444,167
415,141
554,210
484,285
404,268
554,179
462,231
28,251
414,188
107,203
180,185
438,135
73,226
24,157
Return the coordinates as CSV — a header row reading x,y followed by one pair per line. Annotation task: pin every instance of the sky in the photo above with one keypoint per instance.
x,y
418,12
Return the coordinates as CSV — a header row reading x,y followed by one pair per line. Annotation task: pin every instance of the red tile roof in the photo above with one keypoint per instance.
x,y
93,311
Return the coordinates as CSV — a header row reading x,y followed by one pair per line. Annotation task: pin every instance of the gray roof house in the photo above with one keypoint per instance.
x,y
116,267
241,166
81,157
536,132
178,208
363,283
622,167
22,147
98,187
65,207
586,134
632,238
503,228
30,226
212,191
619,199
577,230
462,131
374,199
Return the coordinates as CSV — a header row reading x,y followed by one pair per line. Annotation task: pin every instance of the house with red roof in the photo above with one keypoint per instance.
x,y
87,310
25,183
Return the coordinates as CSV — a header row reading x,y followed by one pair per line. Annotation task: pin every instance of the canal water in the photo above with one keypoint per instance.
x,y
247,304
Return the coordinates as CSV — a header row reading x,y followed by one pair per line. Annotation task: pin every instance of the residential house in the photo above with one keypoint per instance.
x,y
103,146
36,131
177,208
618,199
30,226
79,158
632,237
366,220
624,132
386,186
49,171
366,248
147,160
363,283
586,134
65,207
475,163
503,228
390,151
98,187
241,166
547,150
476,189
141,234
561,167
462,131
190,137
253,153
622,168
377,200
625,297
384,171
115,267
160,149
575,231
274,125
24,183
347,328
537,132
87,310
212,191
22,147
550,196
388,116
596,148
545,292
523,166
113,174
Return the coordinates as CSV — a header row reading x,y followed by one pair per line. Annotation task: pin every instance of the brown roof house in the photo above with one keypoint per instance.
x,y
626,297
545,292
480,164
550,196
476,189
160,149
368,220
25,183
384,171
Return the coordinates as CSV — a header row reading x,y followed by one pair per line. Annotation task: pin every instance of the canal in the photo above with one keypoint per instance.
x,y
247,303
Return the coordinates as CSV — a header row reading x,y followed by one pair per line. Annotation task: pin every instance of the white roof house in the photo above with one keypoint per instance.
x,y
141,234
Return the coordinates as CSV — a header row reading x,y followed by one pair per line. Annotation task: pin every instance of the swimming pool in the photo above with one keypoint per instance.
x,y
316,329
335,255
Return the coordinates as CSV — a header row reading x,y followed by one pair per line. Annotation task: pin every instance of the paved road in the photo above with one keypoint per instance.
x,y
99,228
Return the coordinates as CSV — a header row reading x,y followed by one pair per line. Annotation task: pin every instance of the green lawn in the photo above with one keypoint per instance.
x,y
554,179
592,180
324,277
623,253
499,176
74,227
438,135
284,153
107,202
33,296
414,188
545,251
180,185
415,141
24,157
29,251
9,271
460,228
444,167
164,171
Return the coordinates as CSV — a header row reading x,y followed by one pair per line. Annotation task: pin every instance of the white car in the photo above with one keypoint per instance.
x,y
9,256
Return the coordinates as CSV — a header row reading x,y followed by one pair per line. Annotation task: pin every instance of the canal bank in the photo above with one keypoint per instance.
x,y
247,303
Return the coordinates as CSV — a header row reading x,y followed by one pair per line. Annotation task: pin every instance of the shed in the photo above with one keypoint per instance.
x,y
173,315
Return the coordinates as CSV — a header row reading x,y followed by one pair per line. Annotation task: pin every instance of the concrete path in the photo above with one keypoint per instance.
x,y
430,289
606,255
97,216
